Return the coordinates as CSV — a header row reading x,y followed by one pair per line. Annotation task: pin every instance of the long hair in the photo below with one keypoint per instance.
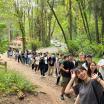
x,y
89,69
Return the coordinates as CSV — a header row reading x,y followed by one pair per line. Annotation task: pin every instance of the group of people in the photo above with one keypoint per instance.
x,y
79,77
83,78
44,62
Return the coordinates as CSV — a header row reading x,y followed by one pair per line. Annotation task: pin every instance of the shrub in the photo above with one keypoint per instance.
x,y
34,44
73,47
3,45
12,82
83,45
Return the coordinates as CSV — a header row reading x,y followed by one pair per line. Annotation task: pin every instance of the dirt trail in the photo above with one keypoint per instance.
x,y
47,84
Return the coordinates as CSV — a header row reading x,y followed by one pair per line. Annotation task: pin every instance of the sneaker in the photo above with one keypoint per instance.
x,y
44,76
68,95
62,97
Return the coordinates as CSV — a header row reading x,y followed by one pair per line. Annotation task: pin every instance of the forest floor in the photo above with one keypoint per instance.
x,y
50,93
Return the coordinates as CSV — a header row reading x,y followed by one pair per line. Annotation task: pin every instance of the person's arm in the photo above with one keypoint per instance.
x,y
62,68
98,79
101,82
68,87
77,101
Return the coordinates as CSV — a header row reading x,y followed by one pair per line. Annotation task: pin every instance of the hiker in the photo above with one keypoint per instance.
x,y
81,59
60,61
101,66
93,70
88,60
65,74
89,91
42,67
51,61
37,58
46,61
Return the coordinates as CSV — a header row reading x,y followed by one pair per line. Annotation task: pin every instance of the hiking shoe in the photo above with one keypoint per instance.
x,y
68,95
62,97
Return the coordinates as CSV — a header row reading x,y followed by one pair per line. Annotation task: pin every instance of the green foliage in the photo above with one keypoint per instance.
x,y
34,44
83,45
36,23
2,25
73,47
11,82
3,45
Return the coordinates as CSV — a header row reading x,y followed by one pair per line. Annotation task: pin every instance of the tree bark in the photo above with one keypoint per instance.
x,y
84,18
21,20
59,25
102,19
96,16
70,19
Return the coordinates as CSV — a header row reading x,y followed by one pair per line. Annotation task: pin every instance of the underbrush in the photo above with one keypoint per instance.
x,y
12,82
78,46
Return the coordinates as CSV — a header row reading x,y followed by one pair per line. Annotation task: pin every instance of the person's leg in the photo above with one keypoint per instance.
x,y
44,70
26,60
32,66
58,80
52,70
23,60
64,83
56,71
49,70
35,67
41,71
62,92
19,59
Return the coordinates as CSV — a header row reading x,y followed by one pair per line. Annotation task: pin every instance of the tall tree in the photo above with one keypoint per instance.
x,y
64,35
102,19
84,18
20,13
70,19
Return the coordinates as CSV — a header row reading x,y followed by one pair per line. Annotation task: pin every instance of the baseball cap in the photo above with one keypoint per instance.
x,y
79,68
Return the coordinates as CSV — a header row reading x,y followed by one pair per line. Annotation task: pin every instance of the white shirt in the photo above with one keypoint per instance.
x,y
37,60
46,60
101,62
101,70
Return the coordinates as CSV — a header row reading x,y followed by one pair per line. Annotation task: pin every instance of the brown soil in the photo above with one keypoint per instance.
x,y
46,85
29,99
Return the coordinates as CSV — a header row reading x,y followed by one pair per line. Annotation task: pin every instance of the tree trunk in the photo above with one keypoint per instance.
x,y
70,19
85,21
102,18
97,28
21,20
50,29
96,15
59,25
